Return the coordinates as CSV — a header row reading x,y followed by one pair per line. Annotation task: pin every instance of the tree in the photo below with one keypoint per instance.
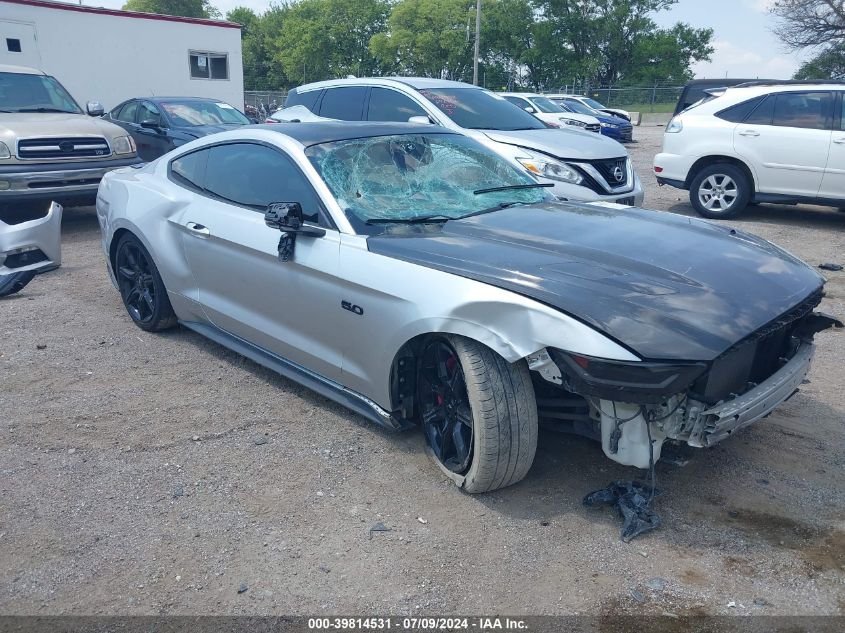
x,y
324,39
829,64
611,41
184,8
431,38
817,25
260,71
810,23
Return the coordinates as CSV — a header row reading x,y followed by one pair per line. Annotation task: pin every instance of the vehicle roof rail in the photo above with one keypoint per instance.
x,y
790,82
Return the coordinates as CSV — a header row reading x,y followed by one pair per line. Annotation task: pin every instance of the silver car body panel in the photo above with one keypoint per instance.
x,y
43,234
232,279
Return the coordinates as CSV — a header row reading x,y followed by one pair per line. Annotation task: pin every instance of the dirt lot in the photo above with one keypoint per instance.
x,y
146,474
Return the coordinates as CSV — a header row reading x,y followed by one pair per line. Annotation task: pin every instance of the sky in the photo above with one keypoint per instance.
x,y
745,46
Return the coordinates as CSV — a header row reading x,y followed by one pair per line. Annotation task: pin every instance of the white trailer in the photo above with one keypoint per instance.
x,y
108,55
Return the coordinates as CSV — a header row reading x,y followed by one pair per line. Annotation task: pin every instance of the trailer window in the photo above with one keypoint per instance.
x,y
209,65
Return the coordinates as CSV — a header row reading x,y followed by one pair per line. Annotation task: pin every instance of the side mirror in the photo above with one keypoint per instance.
x,y
151,124
287,217
94,108
420,120
529,109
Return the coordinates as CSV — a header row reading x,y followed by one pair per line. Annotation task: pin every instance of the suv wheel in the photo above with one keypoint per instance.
x,y
141,287
720,191
478,413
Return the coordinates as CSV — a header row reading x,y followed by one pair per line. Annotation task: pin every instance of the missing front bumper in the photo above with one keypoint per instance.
x,y
706,426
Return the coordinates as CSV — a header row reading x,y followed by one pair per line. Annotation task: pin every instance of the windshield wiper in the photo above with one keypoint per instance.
x,y
46,110
531,185
422,219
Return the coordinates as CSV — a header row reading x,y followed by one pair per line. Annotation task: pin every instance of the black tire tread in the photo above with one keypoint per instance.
x,y
504,409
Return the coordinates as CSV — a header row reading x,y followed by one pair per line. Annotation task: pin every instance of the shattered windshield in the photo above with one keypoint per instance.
x,y
412,177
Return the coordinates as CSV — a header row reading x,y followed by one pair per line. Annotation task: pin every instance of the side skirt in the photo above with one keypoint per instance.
x,y
350,399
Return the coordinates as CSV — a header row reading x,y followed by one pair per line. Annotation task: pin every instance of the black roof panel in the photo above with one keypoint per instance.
x,y
313,133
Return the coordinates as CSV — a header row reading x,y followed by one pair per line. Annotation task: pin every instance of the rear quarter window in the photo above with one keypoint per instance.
x,y
189,169
737,113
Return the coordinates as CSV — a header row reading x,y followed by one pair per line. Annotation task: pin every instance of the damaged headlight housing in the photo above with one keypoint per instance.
x,y
547,167
123,145
624,381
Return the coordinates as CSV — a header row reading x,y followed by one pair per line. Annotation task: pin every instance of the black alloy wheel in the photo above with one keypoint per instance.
x,y
141,288
444,406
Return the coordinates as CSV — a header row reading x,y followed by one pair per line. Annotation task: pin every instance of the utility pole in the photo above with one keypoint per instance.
x,y
477,42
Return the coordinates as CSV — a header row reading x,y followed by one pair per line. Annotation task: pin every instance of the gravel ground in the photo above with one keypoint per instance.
x,y
163,474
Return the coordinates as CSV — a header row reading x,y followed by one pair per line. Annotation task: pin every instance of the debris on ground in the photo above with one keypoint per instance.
x,y
379,527
656,584
259,440
632,499
243,588
638,596
421,520
830,266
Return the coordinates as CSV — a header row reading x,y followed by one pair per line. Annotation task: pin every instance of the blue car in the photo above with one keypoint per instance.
x,y
615,127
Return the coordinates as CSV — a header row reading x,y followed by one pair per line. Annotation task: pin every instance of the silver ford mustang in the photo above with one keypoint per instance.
x,y
418,278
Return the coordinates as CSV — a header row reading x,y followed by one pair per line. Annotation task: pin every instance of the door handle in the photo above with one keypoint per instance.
x,y
839,140
197,229
749,133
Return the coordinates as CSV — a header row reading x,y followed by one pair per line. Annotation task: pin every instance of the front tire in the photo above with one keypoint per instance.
x,y
141,288
720,191
478,413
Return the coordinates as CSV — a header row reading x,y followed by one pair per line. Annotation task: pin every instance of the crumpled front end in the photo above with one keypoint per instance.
x,y
633,408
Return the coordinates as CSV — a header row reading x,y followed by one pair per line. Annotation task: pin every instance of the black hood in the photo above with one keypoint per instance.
x,y
664,285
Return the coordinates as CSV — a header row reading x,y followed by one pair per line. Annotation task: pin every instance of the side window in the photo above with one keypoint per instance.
x,y
253,176
390,105
148,112
127,112
763,113
116,110
345,103
307,99
737,113
841,111
189,169
522,103
810,110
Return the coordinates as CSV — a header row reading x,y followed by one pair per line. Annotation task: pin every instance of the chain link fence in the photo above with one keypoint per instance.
x,y
262,103
655,98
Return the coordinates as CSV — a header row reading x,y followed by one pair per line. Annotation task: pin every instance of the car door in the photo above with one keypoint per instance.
x,y
833,182
786,140
288,308
152,141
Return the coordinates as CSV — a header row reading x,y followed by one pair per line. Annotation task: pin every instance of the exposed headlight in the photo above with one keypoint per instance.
x,y
675,125
552,169
4,151
123,145
640,382
574,122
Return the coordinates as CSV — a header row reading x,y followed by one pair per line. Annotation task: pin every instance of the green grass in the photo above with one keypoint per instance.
x,y
644,107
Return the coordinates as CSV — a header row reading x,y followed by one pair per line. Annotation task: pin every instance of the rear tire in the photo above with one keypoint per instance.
x,y
141,288
478,413
720,191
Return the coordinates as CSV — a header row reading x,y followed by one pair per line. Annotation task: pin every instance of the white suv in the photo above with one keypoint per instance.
x,y
758,142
